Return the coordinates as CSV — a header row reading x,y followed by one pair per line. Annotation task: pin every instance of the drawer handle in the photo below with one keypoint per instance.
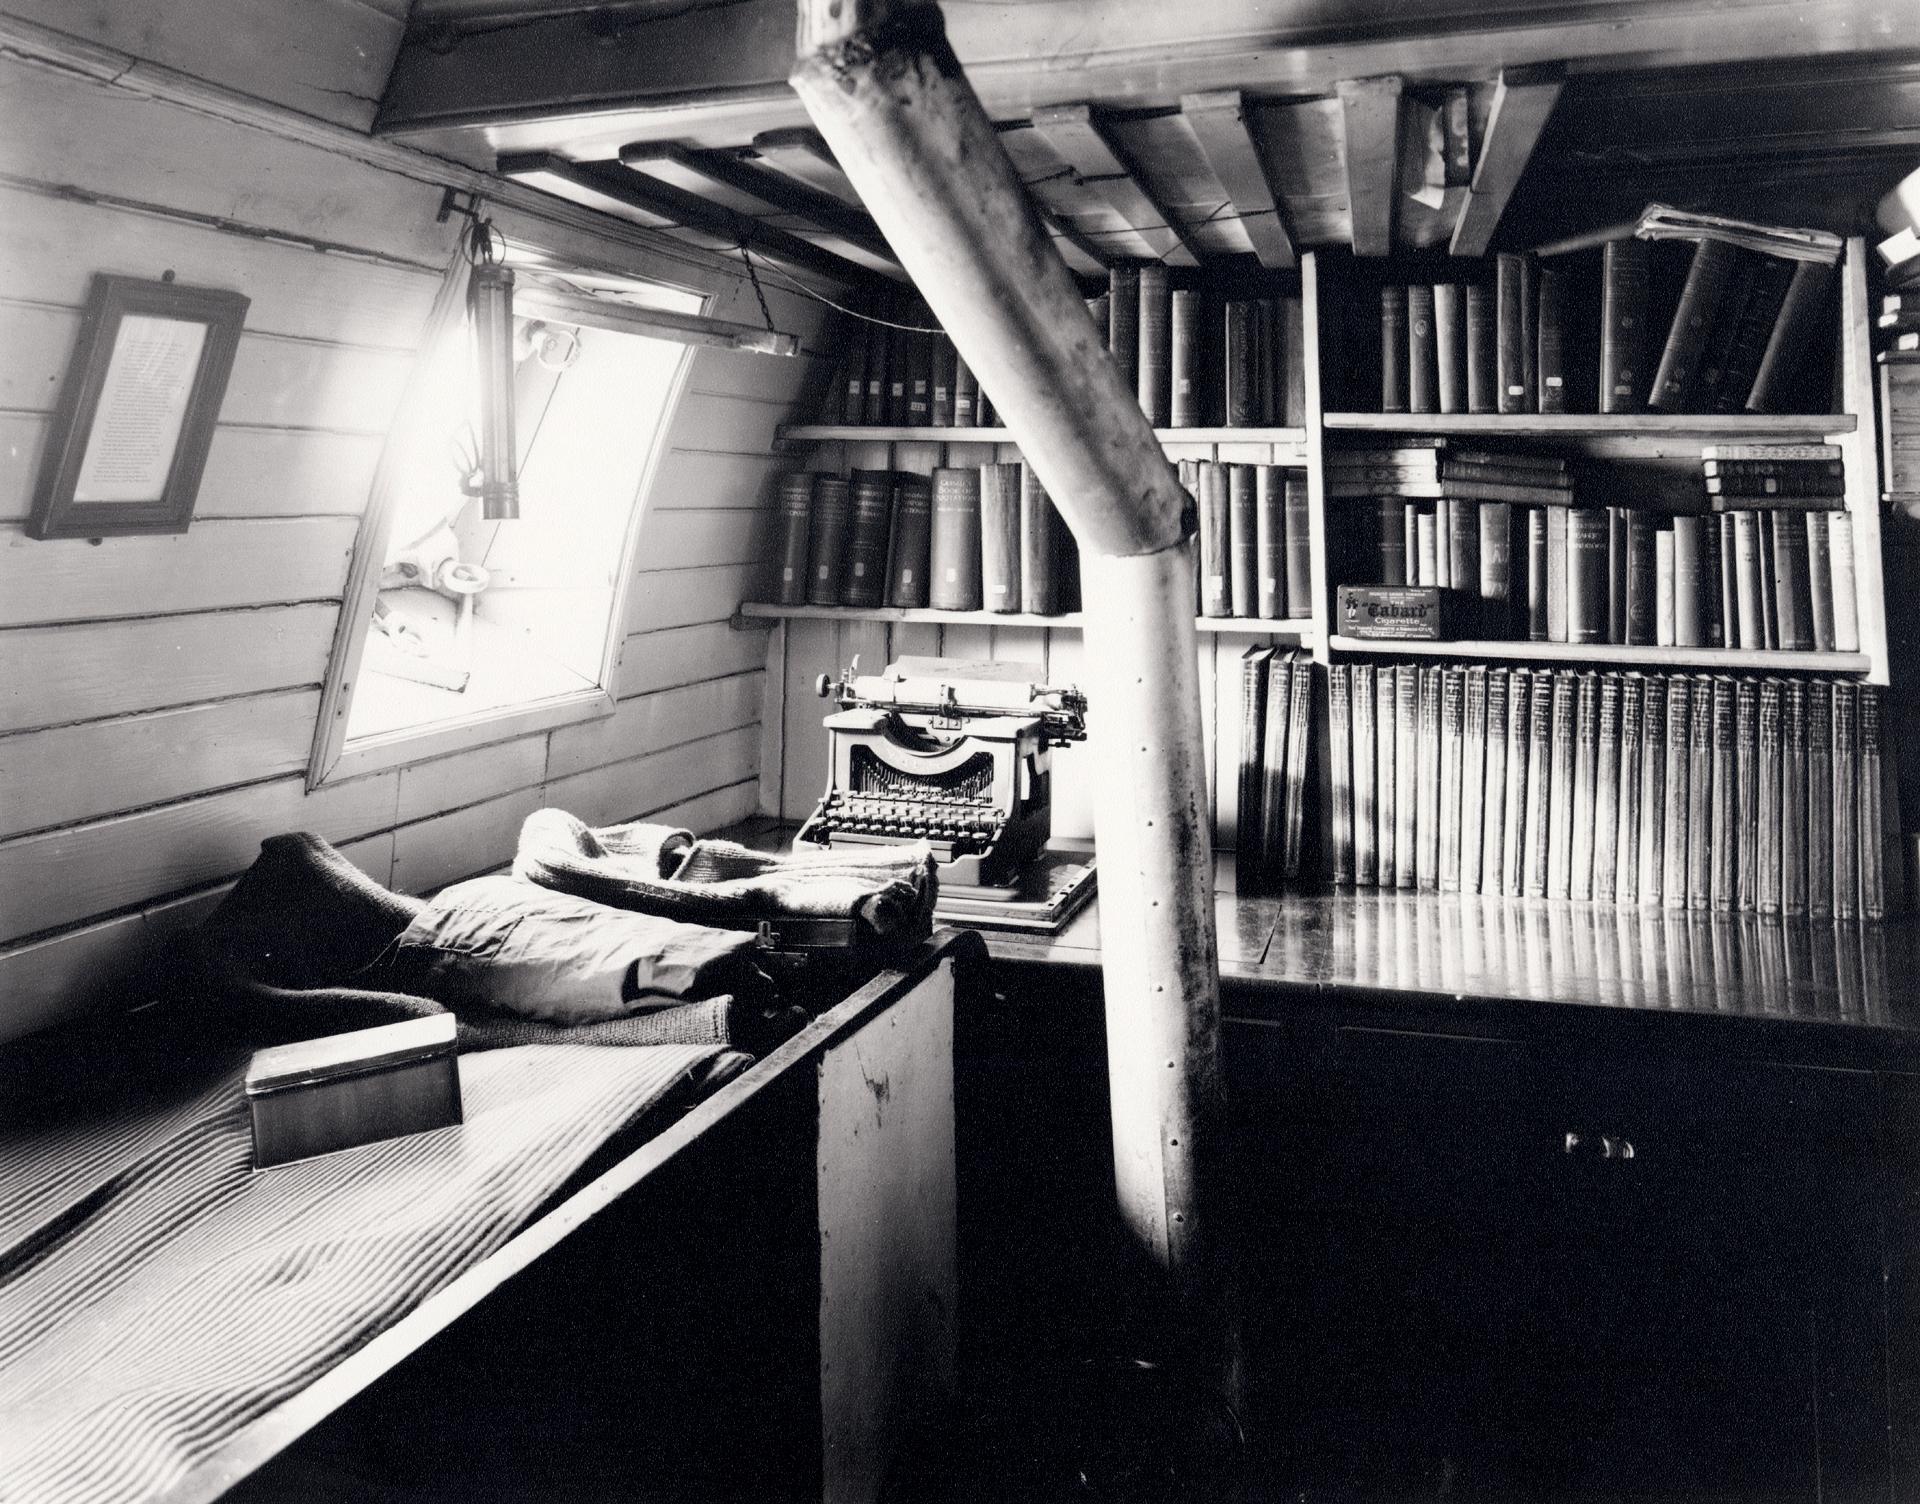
x,y
1593,1146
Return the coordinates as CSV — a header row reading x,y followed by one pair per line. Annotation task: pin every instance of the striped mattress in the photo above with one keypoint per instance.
x,y
156,1295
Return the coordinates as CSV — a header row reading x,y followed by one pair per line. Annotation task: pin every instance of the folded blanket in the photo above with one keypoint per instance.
x,y
884,895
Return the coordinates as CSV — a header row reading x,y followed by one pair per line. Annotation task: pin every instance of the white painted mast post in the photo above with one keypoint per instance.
x,y
884,88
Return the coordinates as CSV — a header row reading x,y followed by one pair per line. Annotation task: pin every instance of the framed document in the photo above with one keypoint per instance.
x,y
136,413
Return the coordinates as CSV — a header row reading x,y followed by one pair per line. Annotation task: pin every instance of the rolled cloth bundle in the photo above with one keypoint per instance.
x,y
885,895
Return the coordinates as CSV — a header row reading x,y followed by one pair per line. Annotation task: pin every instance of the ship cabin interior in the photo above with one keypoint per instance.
x,y
1011,750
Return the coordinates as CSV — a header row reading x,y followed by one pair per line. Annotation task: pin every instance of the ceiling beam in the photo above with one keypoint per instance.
x,y
1522,103
625,194
1072,131
721,178
803,156
1220,124
1370,110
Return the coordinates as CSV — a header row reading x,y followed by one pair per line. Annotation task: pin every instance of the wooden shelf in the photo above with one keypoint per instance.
x,y
1613,655
1234,626
857,433
1786,427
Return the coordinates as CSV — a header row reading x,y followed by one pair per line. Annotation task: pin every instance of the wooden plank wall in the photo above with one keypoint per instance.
x,y
794,761
158,695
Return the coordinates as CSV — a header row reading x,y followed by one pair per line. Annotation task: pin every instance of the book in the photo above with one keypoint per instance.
x,y
1243,561
1272,599
1749,629
1539,572
863,575
1276,749
1563,747
1293,390
1406,775
1482,376
1340,752
1298,600
944,363
1727,623
1793,608
1714,263
1551,345
1555,565
911,541
827,547
1820,580
1385,774
954,555
1795,330
1653,799
1510,334
1626,843
1642,580
1689,583
1187,403
1461,569
1391,516
1766,828
1043,538
1844,811
1495,552
1530,331
1675,841
1516,819
1265,364
1366,845
1493,794
1665,581
1450,345
1250,782
1155,359
1240,382
1606,791
1793,798
1423,369
1534,845
1700,775
1873,875
1453,708
920,376
1619,537
1586,773
1299,748
1001,542
796,508
1472,778
1710,579
1811,478
1820,843
1745,801
966,393
1216,540
1846,621
1428,678
1393,350
1123,322
1588,531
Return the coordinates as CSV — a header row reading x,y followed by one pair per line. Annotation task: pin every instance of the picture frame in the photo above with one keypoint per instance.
x,y
137,409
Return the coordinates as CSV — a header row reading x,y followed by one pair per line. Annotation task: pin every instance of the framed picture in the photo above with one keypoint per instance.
x,y
137,410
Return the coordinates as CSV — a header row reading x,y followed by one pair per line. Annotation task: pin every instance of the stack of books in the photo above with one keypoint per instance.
x,y
1254,557
965,538
899,370
1897,341
1263,815
1750,795
1198,360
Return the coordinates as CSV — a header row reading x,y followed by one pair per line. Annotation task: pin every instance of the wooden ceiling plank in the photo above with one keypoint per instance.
x,y
1220,124
1370,110
1522,103
804,157
1071,130
1083,257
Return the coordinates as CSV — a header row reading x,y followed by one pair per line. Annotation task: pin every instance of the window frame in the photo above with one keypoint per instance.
x,y
332,760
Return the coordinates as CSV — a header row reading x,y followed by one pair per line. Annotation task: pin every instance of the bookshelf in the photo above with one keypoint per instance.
x,y
1770,660
1297,630
1745,427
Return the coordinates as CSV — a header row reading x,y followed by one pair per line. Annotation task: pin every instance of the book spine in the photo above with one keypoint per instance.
x,y
1516,818
1679,747
1626,873
1665,577
1706,285
1846,620
1689,582
1250,782
1299,741
1793,611
1653,787
1873,875
1293,394
1123,322
827,549
1366,846
1769,604
1243,558
1747,344
1276,756
1216,535
1463,546
1042,536
1473,760
1606,791
1483,388
1793,798
1539,576
863,577
1795,330
1000,537
1427,553
1563,733
1443,550
1495,545
1820,842
878,378
853,377
1751,630
1746,796
1450,345
1845,802
1767,827
1820,580
1386,691
1700,772
1187,406
1586,591
920,377
1586,773
1643,584
1156,346
796,507
1453,711
966,392
1266,362
1393,349
1270,542
1391,514
1340,746
1240,377
955,555
944,364
1423,370
1552,343
907,554
1619,538
1510,333
1558,533
1493,792
1427,819
1530,331
899,372
1727,624
1715,355
1712,631
1299,547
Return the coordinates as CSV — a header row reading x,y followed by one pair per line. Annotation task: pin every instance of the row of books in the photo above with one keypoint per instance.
x,y
1254,557
1267,825
900,370
1897,335
972,538
1729,333
1749,579
1699,791
1200,360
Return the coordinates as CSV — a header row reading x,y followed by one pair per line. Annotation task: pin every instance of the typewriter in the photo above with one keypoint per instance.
x,y
955,754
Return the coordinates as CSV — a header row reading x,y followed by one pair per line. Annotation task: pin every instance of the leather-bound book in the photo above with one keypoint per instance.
x,y
1155,374
1845,801
850,390
1873,871
863,578
1846,621
1249,773
1493,799
1423,367
1391,547
1663,588
827,547
1216,541
1340,748
966,392
1299,742
920,372
1606,791
1187,405
1766,827
1798,328
955,555
1564,747
1689,582
1626,293
878,377
1551,344
1268,375
1000,537
1653,787
983,414
1530,330
1586,784
1293,356
1539,575
1386,777
1715,263
1820,844
1793,606
1626,844
796,512
1700,775
945,364
1271,599
1123,322
1540,764
1820,579
1560,532
1510,326
1043,540
1793,797
1393,350
899,374
1483,385
1453,727
1642,580
1366,845
1299,600
907,584
1619,541
1427,822
1746,796
1679,746
1725,628
1450,344
1243,560
1473,765
1240,374
1406,776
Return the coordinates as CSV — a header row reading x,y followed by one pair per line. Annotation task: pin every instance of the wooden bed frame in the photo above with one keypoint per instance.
x,y
756,1303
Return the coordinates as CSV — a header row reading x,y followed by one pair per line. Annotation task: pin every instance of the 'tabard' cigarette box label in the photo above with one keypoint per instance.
x,y
1392,612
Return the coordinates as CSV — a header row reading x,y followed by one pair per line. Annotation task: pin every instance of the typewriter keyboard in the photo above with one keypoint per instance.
x,y
968,824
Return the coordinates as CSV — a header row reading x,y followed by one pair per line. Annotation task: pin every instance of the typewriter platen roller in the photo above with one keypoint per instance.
x,y
955,754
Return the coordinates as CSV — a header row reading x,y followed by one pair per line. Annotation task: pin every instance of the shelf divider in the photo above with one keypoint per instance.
x,y
1611,654
1299,629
